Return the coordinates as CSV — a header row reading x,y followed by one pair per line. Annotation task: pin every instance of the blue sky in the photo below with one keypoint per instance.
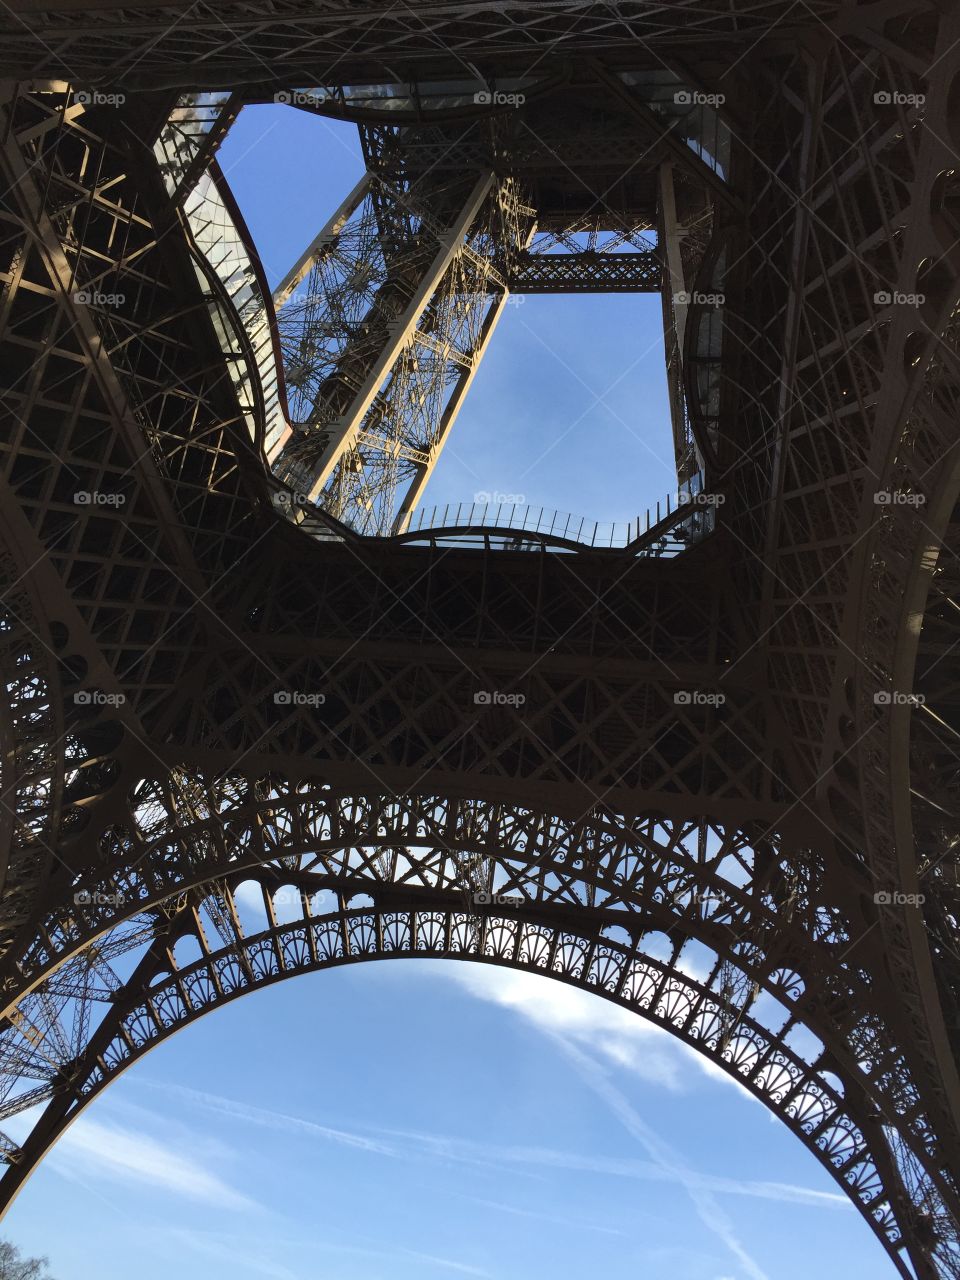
x,y
569,407
417,1120
428,1121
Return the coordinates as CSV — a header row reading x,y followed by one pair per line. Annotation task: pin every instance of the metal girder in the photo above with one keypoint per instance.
x,y
383,321
850,480
385,315
705,887
171,989
290,42
587,273
321,731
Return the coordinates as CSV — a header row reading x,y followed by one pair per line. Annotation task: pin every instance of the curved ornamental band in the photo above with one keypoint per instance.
x,y
245,658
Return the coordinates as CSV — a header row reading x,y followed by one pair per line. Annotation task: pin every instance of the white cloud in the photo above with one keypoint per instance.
x,y
417,1145
556,1220
278,1121
249,894
486,1154
232,1256
248,1254
91,1149
608,1029
618,1035
447,1264
708,1210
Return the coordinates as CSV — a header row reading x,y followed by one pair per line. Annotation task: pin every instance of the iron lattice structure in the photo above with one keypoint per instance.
x,y
386,315
729,798
398,304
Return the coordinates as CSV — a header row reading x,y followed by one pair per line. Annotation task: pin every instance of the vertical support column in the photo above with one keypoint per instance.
x,y
799,250
321,241
424,471
342,434
320,244
675,306
672,233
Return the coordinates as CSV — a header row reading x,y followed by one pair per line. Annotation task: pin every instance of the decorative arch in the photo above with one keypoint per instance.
x,y
752,971
793,928
809,1099
812,1106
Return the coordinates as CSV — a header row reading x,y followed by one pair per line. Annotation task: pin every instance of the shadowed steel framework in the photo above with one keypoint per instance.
x,y
704,764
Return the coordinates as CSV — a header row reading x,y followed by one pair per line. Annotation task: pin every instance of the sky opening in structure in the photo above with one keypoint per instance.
x,y
569,409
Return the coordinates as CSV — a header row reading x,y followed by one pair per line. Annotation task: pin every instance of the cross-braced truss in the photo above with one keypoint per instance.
x,y
295,43
385,316
234,752
688,922
382,324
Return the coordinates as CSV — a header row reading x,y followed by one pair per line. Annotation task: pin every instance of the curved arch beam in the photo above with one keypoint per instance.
x,y
695,882
173,998
739,983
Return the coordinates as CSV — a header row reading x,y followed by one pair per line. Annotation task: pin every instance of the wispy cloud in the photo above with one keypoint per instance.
x,y
555,1219
249,1255
447,1264
704,1201
615,1034
487,1154
278,1121
94,1150
411,1144
231,1255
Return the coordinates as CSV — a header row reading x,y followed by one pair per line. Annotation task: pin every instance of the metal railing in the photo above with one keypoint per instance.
x,y
666,529
560,525
674,524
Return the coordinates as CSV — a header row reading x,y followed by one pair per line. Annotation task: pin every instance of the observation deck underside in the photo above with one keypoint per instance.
x,y
721,743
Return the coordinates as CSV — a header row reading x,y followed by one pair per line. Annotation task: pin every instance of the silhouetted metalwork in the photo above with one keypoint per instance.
x,y
706,765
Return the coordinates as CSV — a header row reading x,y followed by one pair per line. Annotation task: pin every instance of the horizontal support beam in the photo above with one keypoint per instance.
x,y
587,273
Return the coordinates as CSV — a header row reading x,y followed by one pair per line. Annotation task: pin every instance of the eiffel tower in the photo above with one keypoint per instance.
x,y
237,647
